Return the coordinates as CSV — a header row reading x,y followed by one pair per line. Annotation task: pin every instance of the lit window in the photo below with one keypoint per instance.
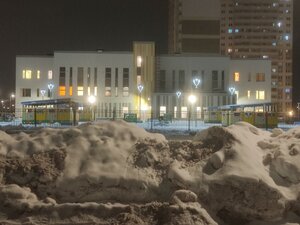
x,y
62,90
80,91
125,109
183,112
236,76
138,80
237,94
162,110
229,50
107,91
50,77
26,74
139,61
279,24
71,91
236,30
286,37
89,91
248,93
229,30
265,57
95,91
274,43
38,74
260,95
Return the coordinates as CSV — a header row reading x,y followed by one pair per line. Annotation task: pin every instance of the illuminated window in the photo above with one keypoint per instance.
x,y
80,91
50,75
229,50
38,74
62,91
183,112
175,111
26,74
236,76
248,94
107,91
95,91
162,110
260,77
139,61
237,94
260,95
89,91
71,91
125,109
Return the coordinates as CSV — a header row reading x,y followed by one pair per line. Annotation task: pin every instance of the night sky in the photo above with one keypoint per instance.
x,y
34,27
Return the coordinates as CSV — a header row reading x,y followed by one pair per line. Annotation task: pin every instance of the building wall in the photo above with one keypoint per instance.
x,y
33,64
250,81
194,26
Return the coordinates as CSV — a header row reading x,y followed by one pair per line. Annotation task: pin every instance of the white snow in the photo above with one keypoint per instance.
x,y
239,174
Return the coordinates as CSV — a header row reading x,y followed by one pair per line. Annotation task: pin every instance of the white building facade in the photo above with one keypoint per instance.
x,y
167,80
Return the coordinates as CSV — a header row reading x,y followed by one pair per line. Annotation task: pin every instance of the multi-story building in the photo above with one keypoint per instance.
x,y
262,29
139,81
256,29
194,26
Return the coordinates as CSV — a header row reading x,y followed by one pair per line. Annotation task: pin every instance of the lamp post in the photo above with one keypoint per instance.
x,y
43,92
196,82
12,96
140,88
192,99
232,92
92,100
50,87
178,94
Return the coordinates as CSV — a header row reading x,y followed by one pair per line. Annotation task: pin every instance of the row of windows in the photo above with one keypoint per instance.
x,y
259,77
29,74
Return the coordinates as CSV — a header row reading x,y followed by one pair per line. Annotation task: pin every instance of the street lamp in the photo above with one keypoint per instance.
x,y
50,87
192,99
196,82
92,100
232,92
43,92
140,88
178,94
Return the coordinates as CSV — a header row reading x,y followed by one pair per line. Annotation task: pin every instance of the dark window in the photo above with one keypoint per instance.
x,y
62,76
215,79
107,77
26,92
116,78
125,77
181,80
162,80
80,76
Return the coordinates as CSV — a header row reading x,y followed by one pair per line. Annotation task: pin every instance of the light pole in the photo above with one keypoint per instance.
x,y
192,99
92,100
50,87
196,82
43,92
12,96
232,92
140,88
178,94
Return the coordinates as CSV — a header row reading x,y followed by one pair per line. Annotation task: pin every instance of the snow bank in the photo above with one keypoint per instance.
x,y
115,172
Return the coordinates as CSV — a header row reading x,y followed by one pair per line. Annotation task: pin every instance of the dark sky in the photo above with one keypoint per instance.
x,y
42,26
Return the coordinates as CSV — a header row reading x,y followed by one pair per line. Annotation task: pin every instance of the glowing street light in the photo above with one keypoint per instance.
x,y
12,96
92,100
43,92
231,90
140,88
50,87
178,93
192,99
196,82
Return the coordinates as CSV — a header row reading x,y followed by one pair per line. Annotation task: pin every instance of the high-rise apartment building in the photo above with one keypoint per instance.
x,y
248,29
194,26
261,29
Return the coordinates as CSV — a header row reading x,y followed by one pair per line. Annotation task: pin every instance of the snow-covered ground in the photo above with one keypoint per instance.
x,y
113,172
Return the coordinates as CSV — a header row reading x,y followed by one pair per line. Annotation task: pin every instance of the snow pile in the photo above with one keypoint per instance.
x,y
113,172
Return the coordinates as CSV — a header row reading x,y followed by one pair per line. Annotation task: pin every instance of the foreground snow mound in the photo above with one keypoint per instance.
x,y
253,174
19,204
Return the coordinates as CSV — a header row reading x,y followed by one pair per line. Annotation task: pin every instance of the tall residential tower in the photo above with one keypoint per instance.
x,y
247,29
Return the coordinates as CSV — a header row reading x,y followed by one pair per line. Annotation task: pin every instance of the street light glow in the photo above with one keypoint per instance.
x,y
178,93
192,99
231,90
196,82
92,99
140,88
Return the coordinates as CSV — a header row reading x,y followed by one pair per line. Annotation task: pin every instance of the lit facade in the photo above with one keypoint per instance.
x,y
140,82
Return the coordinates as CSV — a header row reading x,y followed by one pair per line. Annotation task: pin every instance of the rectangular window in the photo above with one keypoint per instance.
x,y
248,93
71,82
215,80
80,81
173,80
107,82
95,81
116,81
162,110
37,92
26,92
50,75
162,80
62,81
249,77
260,77
260,95
38,74
89,80
139,61
181,80
223,80
125,82
27,74
236,76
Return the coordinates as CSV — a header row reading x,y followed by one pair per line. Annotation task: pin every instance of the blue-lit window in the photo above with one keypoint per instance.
x,y
286,37
229,30
236,30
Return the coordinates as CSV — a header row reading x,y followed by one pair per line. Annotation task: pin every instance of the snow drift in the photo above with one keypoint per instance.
x,y
114,172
